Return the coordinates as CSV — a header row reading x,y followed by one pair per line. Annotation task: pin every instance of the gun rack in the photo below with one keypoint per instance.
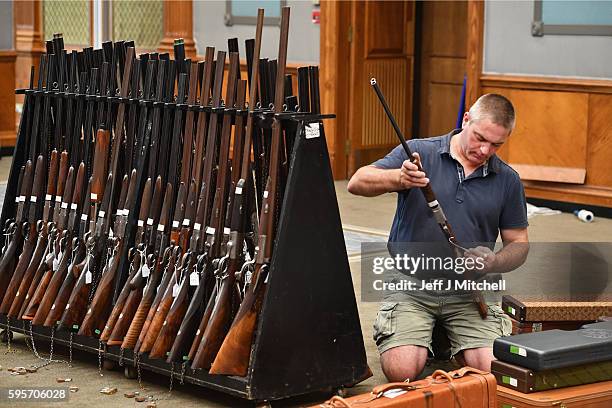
x,y
309,336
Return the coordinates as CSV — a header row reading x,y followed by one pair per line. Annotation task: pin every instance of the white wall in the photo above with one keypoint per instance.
x,y
509,47
210,30
6,25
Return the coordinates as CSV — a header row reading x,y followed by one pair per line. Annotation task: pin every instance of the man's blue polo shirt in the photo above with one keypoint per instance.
x,y
477,207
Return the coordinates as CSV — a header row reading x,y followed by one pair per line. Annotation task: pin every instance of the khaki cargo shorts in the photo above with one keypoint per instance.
x,y
411,322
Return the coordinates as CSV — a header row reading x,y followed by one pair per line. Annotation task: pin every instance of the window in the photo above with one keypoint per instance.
x,y
572,18
245,11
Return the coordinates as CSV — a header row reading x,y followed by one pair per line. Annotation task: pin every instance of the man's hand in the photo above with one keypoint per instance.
x,y
410,176
482,256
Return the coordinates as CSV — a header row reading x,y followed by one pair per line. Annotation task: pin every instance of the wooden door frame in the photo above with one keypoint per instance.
x,y
334,79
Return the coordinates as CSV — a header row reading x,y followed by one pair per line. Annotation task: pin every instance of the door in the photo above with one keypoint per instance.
x,y
381,38
441,60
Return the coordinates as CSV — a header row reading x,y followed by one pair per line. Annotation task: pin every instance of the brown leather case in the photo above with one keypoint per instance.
x,y
466,387
528,327
525,310
598,395
526,380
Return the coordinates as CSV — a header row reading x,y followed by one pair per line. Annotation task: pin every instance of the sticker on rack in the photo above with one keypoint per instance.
x,y
312,130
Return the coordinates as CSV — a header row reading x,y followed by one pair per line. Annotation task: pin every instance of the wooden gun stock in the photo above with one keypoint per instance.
x,y
100,308
75,309
135,288
28,280
159,309
59,274
20,270
120,303
61,300
172,322
137,323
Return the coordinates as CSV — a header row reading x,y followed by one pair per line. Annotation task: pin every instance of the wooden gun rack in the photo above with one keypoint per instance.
x,y
309,336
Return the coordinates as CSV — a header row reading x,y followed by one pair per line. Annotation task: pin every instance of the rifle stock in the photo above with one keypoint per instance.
x,y
234,354
161,303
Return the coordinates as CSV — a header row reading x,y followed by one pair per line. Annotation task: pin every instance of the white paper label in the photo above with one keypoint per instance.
x,y
522,352
266,194
149,221
94,196
238,190
73,206
101,214
22,199
56,263
88,277
126,212
33,199
186,222
197,226
64,205
513,382
512,310
17,199
194,279
393,393
140,223
175,224
145,271
210,230
83,217
58,199
175,290
48,197
312,130
161,227
226,231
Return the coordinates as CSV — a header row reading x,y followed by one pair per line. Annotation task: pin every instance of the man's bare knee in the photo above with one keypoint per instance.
x,y
403,362
479,358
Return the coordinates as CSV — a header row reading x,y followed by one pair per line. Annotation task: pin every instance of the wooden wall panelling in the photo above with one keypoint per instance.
x,y
178,23
474,50
599,146
334,79
29,41
551,131
7,98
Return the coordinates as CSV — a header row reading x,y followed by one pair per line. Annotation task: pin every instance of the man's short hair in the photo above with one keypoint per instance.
x,y
497,108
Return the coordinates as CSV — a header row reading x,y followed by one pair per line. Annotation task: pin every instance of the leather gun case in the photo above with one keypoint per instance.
x,y
597,395
546,311
466,387
525,380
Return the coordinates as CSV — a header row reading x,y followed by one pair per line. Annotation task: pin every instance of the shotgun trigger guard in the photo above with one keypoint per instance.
x,y
262,277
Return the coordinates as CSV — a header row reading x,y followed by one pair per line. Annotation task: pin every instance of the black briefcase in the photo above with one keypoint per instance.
x,y
552,349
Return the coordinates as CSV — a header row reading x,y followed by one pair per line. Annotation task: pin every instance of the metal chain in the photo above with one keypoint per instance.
x,y
70,349
171,379
100,358
26,338
8,337
183,372
137,361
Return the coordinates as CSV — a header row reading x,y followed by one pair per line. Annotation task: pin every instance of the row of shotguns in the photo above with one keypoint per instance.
x,y
156,228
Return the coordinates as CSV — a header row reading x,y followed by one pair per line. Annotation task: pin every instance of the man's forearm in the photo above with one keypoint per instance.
x,y
510,257
371,181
